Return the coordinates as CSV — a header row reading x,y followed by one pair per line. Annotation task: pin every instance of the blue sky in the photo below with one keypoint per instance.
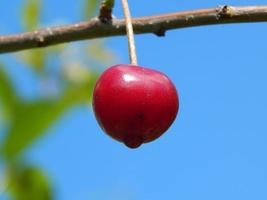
x,y
216,148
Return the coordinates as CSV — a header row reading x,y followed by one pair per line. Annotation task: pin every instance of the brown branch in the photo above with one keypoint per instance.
x,y
158,25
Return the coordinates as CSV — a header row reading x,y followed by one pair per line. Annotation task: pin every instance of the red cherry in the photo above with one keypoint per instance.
x,y
133,104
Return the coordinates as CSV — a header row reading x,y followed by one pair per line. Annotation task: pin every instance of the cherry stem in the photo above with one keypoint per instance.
x,y
130,33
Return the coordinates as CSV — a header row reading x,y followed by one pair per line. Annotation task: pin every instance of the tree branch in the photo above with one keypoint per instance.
x,y
158,25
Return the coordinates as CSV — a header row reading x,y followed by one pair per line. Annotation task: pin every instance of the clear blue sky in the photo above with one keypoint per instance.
x,y
216,148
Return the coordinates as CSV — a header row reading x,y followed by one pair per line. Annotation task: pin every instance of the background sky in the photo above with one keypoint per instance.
x,y
216,148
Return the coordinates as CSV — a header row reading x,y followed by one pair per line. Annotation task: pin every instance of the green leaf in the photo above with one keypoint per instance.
x,y
91,8
8,97
28,183
31,14
33,119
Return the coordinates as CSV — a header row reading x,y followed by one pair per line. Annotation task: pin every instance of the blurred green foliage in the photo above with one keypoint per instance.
x,y
7,93
28,183
32,119
90,8
26,121
31,14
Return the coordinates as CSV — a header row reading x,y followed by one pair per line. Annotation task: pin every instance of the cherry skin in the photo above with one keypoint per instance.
x,y
133,104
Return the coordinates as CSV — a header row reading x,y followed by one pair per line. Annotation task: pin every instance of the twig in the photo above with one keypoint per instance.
x,y
130,33
158,25
105,12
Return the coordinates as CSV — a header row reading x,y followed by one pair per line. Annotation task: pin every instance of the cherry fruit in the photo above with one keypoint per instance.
x,y
133,104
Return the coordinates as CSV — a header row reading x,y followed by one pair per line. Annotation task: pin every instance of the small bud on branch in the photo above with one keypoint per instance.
x,y
105,13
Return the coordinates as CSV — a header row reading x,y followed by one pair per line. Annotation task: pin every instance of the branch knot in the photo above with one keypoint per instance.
x,y
225,11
